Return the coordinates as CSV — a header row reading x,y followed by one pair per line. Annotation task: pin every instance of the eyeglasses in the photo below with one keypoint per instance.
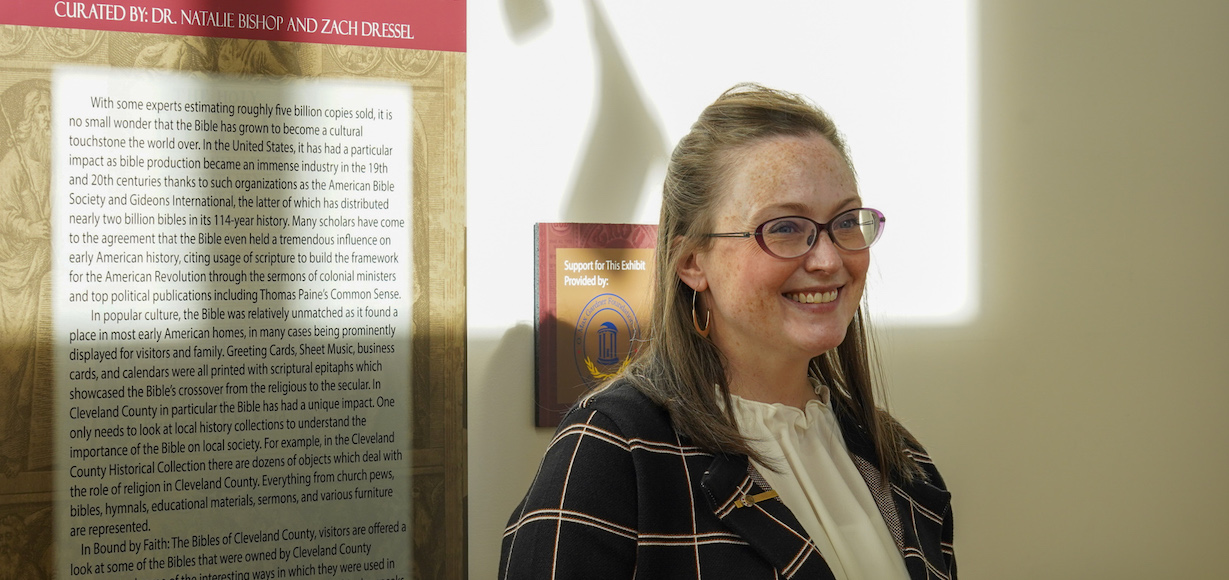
x,y
793,236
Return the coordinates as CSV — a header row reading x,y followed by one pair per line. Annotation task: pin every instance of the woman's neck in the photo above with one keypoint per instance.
x,y
771,381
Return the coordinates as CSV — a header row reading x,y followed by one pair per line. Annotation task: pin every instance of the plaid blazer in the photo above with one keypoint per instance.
x,y
620,494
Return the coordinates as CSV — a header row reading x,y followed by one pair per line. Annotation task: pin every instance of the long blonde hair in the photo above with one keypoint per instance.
x,y
677,368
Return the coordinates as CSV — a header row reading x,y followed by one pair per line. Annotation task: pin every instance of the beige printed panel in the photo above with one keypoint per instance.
x,y
27,56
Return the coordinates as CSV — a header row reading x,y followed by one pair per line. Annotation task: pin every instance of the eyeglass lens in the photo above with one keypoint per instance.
x,y
790,237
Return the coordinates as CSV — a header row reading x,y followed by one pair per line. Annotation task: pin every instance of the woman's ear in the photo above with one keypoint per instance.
x,y
690,269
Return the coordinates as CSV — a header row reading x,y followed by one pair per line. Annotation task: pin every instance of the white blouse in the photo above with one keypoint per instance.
x,y
821,485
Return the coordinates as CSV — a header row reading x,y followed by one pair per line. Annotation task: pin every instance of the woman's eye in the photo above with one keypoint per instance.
x,y
785,228
851,221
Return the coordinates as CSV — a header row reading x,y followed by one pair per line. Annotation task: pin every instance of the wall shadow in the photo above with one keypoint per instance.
x,y
624,141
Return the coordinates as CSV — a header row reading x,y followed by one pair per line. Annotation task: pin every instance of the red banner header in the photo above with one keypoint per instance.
x,y
415,24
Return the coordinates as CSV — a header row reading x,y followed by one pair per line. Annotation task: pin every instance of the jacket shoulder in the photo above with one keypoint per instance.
x,y
580,517
634,413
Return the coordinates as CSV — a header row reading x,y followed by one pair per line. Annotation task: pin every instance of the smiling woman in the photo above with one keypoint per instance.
x,y
749,444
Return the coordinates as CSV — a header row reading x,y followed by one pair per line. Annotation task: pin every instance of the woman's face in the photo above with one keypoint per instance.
x,y
766,307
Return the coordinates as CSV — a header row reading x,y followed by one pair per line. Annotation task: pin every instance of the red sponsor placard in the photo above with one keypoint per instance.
x,y
594,283
417,24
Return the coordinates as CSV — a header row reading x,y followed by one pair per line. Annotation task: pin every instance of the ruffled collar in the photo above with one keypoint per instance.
x,y
767,414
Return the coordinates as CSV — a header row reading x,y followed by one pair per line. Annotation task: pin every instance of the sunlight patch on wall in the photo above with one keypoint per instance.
x,y
898,79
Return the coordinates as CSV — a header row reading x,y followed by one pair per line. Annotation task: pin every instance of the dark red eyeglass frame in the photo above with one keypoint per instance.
x,y
880,220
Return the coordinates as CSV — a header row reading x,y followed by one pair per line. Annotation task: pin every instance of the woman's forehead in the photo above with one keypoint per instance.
x,y
805,174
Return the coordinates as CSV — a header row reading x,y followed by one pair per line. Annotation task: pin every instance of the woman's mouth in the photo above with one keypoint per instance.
x,y
812,297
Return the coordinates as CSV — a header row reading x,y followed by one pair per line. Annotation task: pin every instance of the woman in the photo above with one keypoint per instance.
x,y
744,441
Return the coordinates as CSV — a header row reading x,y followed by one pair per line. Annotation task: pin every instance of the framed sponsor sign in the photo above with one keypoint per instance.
x,y
594,283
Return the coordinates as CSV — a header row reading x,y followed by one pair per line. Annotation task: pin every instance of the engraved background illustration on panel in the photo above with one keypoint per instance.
x,y
26,397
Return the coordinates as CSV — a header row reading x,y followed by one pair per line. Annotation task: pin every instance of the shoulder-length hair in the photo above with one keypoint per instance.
x,y
678,368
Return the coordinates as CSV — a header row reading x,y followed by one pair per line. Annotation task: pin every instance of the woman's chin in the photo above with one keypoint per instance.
x,y
814,346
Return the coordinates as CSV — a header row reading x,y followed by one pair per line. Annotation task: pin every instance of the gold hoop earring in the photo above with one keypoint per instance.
x,y
695,321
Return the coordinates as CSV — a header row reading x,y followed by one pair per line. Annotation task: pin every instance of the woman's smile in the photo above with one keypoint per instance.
x,y
812,297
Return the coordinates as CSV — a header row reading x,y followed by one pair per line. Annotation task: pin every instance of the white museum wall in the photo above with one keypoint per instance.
x,y
1073,394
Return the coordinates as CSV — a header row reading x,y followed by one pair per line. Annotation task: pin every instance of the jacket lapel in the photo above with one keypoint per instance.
x,y
925,512
767,525
915,512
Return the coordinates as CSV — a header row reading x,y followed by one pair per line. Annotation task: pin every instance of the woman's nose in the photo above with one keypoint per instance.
x,y
824,255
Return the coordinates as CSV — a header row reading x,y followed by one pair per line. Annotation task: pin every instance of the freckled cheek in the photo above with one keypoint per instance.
x,y
857,265
746,296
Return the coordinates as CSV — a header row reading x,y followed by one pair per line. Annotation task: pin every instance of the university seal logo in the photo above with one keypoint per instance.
x,y
604,336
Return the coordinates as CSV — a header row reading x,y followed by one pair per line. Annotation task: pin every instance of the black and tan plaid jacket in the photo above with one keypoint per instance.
x,y
621,495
